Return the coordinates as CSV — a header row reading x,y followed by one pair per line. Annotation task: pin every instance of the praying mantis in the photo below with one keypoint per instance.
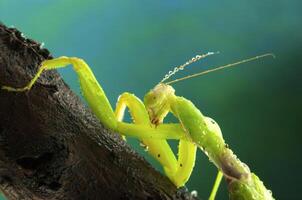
x,y
194,130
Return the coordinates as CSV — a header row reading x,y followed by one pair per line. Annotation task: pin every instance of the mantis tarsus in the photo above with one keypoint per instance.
x,y
193,130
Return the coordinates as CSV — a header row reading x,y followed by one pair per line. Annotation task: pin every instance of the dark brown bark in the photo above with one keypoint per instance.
x,y
53,147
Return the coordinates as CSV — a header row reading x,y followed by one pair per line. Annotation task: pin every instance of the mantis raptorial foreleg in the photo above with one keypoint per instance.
x,y
179,170
185,162
158,148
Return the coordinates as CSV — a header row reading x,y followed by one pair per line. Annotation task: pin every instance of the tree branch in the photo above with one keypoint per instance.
x,y
53,147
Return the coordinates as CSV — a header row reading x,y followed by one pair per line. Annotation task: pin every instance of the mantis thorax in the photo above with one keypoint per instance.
x,y
157,101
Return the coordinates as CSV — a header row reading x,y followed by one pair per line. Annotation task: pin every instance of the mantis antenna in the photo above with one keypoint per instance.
x,y
181,67
217,68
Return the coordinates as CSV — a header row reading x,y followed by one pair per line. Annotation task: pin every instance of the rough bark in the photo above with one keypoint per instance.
x,y
53,147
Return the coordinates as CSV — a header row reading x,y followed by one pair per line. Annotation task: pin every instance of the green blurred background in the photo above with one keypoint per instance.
x,y
130,45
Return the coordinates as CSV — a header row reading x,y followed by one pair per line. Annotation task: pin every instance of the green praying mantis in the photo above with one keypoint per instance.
x,y
194,130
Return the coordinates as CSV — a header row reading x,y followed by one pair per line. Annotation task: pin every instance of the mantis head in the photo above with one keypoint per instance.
x,y
157,102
